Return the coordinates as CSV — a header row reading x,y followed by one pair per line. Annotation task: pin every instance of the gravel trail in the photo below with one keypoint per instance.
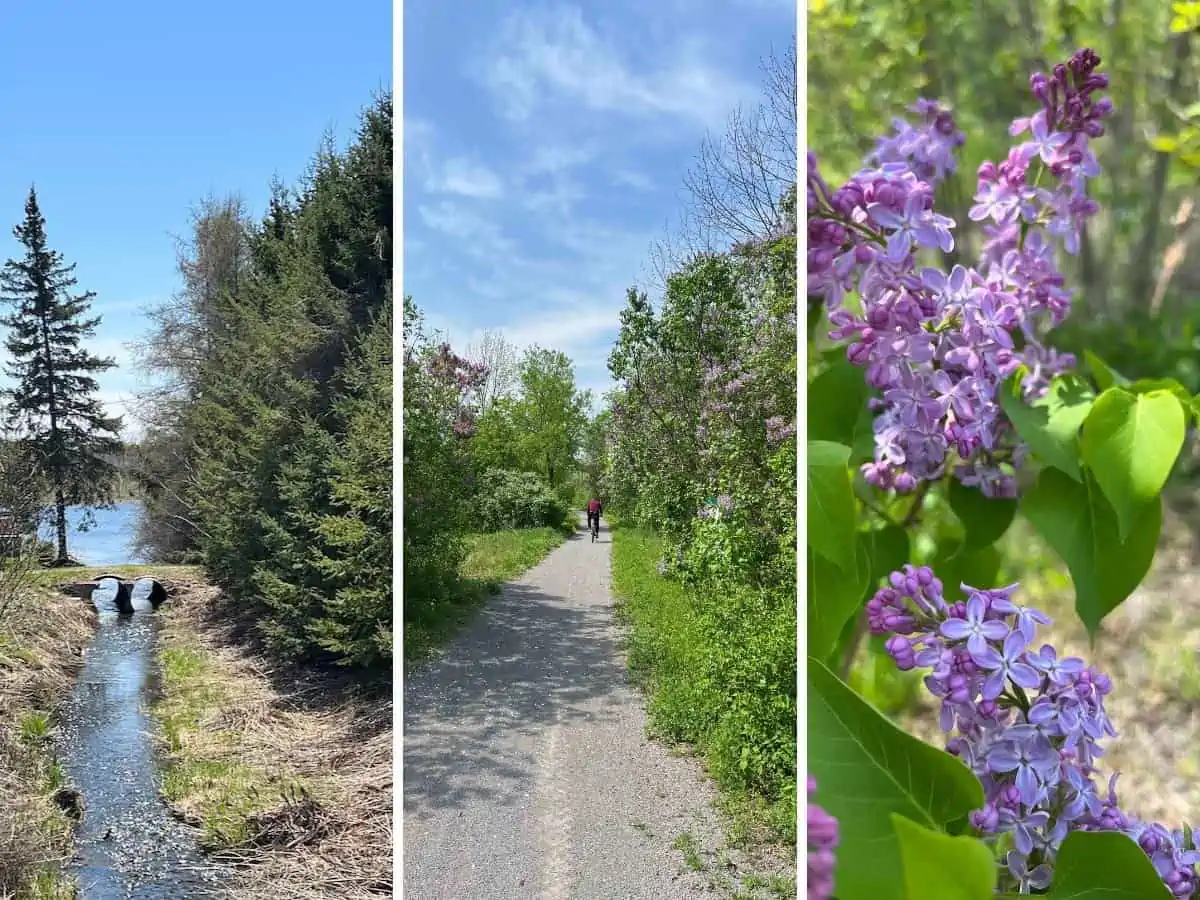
x,y
527,772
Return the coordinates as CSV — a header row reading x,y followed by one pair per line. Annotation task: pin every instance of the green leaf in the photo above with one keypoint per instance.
x,y
1081,527
984,520
832,510
977,568
836,399
1050,425
1131,442
888,549
1149,385
1104,376
866,768
941,867
1164,144
1104,865
863,446
834,597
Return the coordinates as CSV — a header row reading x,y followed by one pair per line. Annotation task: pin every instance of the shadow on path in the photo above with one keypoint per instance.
x,y
528,660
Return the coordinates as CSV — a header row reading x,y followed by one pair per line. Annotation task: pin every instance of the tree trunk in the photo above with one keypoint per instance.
x,y
1120,138
60,523
1144,258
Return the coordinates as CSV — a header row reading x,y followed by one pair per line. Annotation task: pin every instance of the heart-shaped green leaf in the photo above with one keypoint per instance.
x,y
1102,373
939,866
866,768
984,519
834,597
1050,424
836,399
1130,442
1104,865
1081,527
832,509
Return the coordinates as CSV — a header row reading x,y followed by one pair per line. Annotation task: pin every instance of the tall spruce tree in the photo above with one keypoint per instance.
x,y
54,404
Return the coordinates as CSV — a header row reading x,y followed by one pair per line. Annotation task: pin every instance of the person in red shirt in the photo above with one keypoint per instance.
x,y
594,508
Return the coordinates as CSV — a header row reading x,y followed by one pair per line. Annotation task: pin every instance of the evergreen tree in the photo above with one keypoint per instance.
x,y
53,404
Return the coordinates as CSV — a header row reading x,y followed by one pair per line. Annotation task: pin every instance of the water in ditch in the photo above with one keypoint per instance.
x,y
128,846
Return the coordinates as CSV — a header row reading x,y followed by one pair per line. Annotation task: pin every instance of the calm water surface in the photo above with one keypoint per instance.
x,y
108,542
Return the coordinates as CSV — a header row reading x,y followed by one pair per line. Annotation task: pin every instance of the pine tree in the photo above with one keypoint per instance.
x,y
54,404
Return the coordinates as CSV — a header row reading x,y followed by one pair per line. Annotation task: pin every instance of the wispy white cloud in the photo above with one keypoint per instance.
x,y
458,175
549,55
468,178
478,234
633,179
533,212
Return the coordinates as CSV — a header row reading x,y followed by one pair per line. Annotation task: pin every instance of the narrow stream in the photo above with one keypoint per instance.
x,y
128,845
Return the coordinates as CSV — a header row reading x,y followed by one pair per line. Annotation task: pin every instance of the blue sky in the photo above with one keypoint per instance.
x,y
126,113
545,147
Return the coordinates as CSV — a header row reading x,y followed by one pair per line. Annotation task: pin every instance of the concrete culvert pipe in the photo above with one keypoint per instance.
x,y
114,594
147,595
111,595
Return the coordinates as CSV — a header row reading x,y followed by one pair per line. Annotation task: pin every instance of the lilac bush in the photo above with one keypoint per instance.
x,y
1028,723
938,344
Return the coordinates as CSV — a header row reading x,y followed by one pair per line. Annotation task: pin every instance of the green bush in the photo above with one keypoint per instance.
x,y
719,660
289,414
509,500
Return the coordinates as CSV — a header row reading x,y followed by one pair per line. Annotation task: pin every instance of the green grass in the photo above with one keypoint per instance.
x,y
686,844
35,727
55,577
715,668
203,776
495,558
492,559
50,884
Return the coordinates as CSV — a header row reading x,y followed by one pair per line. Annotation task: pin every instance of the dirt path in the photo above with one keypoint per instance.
x,y
527,772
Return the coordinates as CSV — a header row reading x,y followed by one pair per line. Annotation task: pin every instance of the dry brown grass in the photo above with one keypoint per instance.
x,y
289,775
42,637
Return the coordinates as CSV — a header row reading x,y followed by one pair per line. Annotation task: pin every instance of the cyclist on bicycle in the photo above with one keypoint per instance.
x,y
594,509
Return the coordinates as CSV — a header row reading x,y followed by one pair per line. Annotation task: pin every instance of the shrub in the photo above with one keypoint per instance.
x,y
507,499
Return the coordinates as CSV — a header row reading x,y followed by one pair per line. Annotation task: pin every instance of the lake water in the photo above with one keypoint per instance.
x,y
107,542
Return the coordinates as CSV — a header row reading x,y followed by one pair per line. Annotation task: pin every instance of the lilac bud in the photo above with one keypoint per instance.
x,y
901,651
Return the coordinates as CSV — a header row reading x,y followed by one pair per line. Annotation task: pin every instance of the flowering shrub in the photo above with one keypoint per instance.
x,y
946,393
437,472
701,450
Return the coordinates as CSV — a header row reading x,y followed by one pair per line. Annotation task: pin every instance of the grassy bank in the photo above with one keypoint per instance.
x,y
705,687
42,636
492,559
286,774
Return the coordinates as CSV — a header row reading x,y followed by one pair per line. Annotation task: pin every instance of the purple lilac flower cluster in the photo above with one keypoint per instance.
x,y
462,376
938,344
822,841
928,149
1026,721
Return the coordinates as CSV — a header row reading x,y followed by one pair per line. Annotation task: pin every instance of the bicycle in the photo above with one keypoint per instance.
x,y
595,529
